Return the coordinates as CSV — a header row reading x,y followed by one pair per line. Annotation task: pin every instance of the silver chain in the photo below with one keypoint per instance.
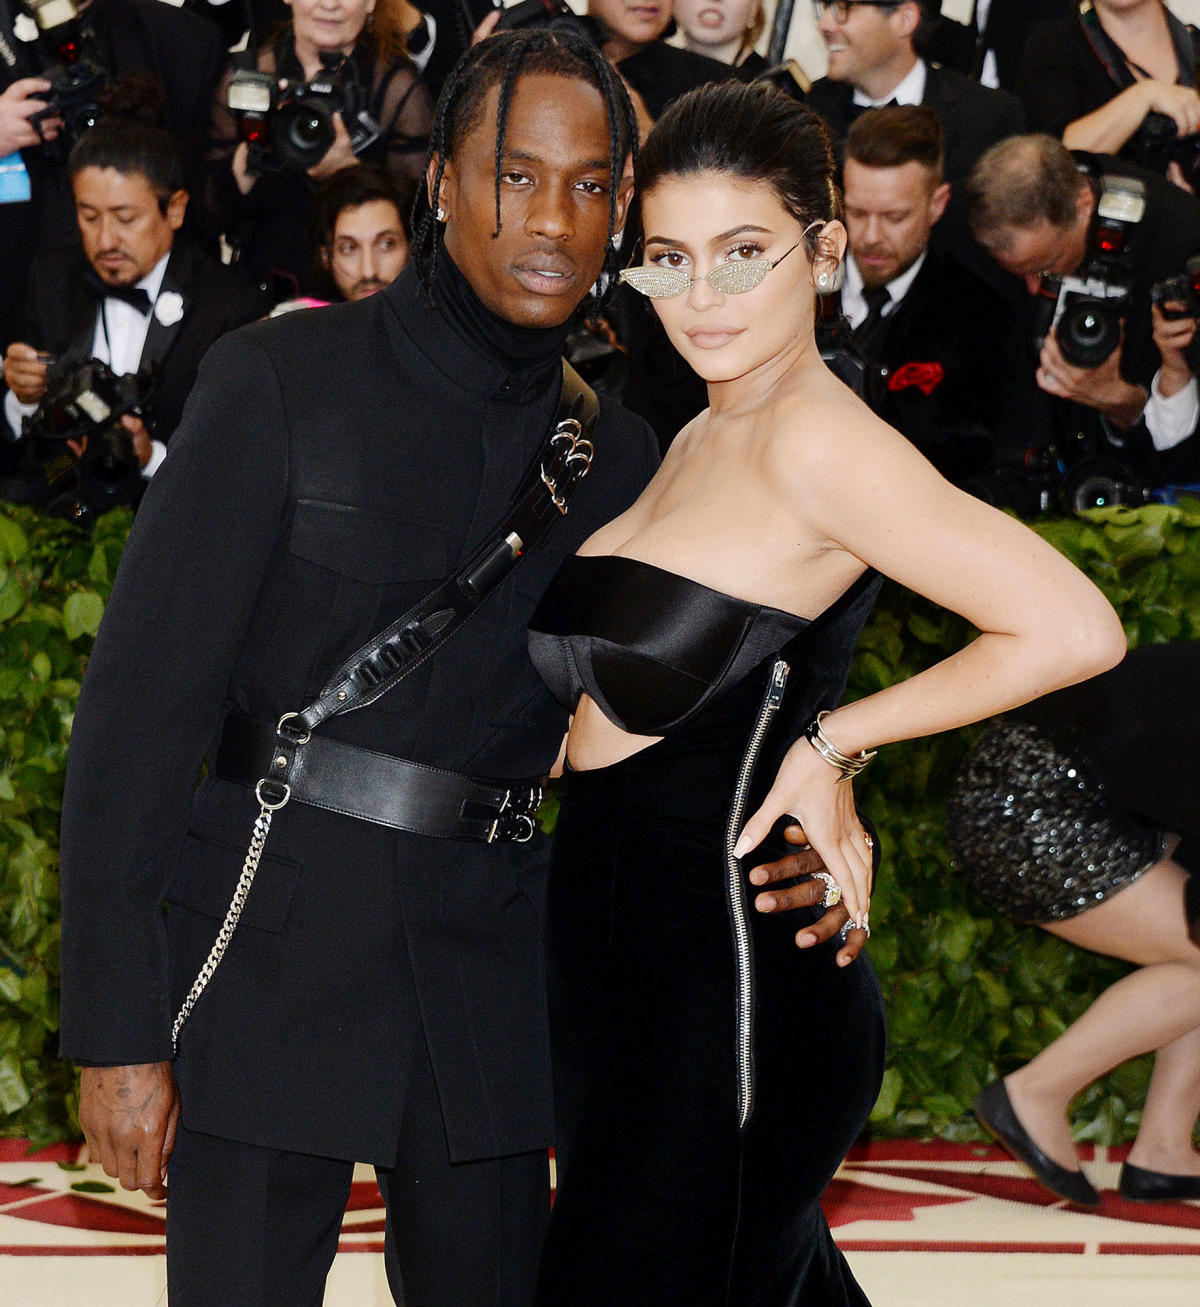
x,y
258,839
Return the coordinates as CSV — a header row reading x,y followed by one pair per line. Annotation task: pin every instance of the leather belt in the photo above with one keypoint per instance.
x,y
377,787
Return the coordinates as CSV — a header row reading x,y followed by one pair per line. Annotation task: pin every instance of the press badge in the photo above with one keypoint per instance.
x,y
14,180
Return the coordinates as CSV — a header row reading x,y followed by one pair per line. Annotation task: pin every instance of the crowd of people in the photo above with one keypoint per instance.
x,y
947,344
961,270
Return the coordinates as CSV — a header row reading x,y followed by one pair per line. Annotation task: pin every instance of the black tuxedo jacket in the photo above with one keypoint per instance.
x,y
332,466
962,46
973,117
62,319
954,382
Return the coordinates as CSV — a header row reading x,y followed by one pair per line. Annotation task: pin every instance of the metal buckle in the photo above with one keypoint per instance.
x,y
285,790
287,735
513,824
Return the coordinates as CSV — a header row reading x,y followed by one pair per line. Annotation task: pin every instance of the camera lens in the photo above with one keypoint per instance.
x,y
302,133
1087,332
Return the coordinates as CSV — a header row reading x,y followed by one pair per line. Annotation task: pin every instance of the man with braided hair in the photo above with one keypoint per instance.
x,y
382,998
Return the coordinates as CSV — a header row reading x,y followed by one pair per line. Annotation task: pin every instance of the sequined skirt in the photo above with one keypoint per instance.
x,y
1035,830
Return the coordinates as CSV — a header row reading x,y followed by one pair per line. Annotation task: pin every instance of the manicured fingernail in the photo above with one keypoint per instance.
x,y
742,847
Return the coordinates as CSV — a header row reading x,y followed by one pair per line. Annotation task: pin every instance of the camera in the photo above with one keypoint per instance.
x,y
85,403
1183,289
1157,143
289,126
547,13
76,78
1086,468
1089,307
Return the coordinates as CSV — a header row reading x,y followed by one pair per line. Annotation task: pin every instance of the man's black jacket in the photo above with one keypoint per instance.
x,y
62,320
331,467
954,385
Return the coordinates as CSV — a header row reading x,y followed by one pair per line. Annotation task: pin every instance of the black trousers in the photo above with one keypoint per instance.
x,y
258,1227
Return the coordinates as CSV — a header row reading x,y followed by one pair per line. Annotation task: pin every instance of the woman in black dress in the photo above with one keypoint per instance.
x,y
710,1075
1079,814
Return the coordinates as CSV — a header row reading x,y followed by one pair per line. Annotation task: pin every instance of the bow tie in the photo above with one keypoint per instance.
x,y
135,296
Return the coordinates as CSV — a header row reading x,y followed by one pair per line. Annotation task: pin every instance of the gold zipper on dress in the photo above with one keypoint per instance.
x,y
736,897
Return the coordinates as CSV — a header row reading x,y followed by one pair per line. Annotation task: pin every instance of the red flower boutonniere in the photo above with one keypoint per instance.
x,y
925,376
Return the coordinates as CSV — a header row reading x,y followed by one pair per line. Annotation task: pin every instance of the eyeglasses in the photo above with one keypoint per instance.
x,y
734,277
840,9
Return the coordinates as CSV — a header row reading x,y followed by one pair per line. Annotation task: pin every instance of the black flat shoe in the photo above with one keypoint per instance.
x,y
1143,1186
996,1114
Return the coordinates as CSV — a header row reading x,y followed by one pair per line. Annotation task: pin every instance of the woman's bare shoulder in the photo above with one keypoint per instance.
x,y
825,429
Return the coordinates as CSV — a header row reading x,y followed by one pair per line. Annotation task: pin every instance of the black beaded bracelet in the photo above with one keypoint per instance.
x,y
848,764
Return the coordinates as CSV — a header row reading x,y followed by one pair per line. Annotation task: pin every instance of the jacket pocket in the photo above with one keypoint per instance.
x,y
207,874
376,548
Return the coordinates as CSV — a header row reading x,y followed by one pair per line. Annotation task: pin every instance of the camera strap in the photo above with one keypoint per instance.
x,y
541,498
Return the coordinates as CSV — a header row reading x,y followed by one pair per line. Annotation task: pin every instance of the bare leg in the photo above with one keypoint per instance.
x,y
1164,1142
1157,1007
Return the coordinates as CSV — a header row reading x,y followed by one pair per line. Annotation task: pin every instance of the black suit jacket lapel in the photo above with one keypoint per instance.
x,y
160,335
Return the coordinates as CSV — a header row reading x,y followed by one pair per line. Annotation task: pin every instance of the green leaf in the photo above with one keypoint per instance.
x,y
12,598
72,1166
82,613
13,543
14,1093
93,1187
889,1095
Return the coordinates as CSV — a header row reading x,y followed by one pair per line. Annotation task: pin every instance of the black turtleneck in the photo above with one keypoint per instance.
x,y
506,343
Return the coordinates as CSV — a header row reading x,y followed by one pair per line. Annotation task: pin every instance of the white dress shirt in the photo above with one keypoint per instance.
x,y
118,340
910,89
854,306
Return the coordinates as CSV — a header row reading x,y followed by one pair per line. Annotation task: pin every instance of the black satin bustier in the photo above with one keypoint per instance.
x,y
651,647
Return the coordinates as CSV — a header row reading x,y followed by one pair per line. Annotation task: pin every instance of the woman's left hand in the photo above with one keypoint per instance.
x,y
810,790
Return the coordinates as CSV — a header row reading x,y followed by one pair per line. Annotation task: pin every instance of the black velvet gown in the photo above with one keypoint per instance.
x,y
709,1075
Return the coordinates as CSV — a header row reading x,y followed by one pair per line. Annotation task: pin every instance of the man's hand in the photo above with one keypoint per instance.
x,y
1172,336
18,103
139,437
25,372
807,894
1102,388
129,1116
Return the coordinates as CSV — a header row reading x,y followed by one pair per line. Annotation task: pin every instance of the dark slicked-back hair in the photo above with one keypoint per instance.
x,y
754,133
500,61
129,146
899,134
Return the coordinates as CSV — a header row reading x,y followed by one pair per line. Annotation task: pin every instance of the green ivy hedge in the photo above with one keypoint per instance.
x,y
968,993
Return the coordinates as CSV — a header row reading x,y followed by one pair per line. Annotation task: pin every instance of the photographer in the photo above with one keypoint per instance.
x,y
259,194
1097,234
137,296
1118,78
181,51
